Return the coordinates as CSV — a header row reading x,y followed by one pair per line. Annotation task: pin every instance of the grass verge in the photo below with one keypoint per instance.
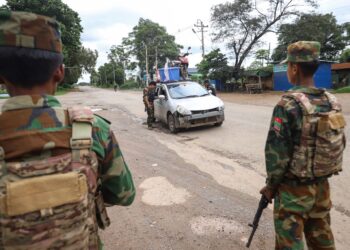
x,y
343,90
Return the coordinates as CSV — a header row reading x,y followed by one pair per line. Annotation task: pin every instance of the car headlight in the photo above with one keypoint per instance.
x,y
183,111
221,108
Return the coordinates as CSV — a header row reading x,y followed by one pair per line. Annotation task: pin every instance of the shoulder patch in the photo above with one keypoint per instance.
x,y
277,124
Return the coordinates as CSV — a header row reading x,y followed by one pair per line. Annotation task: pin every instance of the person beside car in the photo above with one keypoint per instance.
x,y
148,100
208,86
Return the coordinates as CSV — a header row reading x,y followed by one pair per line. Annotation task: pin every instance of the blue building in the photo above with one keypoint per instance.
x,y
323,77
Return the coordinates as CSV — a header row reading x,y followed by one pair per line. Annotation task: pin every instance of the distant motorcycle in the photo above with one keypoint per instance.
x,y
182,63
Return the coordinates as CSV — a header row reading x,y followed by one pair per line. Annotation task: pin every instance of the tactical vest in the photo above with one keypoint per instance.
x,y
322,142
151,95
51,203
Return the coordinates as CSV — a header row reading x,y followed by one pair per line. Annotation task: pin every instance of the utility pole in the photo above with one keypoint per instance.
x,y
124,73
112,62
156,57
113,74
146,62
105,76
202,30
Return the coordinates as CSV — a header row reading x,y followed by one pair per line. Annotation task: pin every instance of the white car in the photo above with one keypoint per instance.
x,y
187,104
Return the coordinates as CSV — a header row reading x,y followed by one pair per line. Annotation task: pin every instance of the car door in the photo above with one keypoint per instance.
x,y
157,106
164,104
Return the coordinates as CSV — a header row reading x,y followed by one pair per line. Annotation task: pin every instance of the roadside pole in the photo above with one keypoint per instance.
x,y
201,27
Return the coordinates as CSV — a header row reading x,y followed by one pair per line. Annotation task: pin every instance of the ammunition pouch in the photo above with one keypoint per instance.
x,y
151,96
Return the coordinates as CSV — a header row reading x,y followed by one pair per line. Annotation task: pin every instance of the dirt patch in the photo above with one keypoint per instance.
x,y
160,192
212,225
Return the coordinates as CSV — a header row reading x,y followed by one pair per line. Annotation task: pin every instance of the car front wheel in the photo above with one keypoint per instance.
x,y
172,124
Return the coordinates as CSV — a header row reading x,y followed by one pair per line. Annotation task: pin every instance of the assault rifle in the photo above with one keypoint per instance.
x,y
262,205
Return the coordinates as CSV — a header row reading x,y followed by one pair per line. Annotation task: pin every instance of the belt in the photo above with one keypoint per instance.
x,y
301,182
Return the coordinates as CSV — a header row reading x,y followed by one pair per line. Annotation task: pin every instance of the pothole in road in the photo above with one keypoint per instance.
x,y
96,110
215,225
158,191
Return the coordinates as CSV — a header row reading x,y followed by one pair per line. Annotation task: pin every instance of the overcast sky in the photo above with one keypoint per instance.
x,y
106,22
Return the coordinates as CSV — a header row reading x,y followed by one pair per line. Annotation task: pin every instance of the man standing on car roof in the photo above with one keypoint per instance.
x,y
148,100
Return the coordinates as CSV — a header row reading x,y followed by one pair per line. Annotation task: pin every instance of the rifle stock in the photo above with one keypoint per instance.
x,y
263,203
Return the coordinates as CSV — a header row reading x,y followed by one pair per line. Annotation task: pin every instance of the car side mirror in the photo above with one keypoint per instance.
x,y
161,97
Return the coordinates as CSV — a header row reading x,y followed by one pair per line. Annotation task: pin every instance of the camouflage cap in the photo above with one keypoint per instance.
x,y
28,30
303,51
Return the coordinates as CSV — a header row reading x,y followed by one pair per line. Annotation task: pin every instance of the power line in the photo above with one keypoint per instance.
x,y
201,28
197,35
183,29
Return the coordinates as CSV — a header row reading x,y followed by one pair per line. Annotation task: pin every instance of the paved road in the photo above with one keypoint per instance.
x,y
197,189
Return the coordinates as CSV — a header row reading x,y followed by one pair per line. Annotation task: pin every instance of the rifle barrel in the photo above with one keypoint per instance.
x,y
263,203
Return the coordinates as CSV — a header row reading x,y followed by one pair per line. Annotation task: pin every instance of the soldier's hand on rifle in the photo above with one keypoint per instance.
x,y
268,193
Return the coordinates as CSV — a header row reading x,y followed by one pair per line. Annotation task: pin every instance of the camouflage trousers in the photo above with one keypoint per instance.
x,y
150,116
303,209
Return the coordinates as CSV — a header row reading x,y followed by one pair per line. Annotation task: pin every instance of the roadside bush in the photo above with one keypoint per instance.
x,y
3,91
343,90
130,85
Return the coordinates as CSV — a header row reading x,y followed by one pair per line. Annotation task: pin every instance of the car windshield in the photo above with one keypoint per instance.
x,y
186,90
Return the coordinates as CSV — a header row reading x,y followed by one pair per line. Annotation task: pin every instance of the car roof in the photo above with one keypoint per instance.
x,y
179,82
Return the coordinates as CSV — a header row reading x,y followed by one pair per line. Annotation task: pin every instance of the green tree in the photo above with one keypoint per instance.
x,y
71,29
346,27
150,36
104,77
95,78
87,59
214,66
312,27
257,64
262,55
121,56
345,56
242,24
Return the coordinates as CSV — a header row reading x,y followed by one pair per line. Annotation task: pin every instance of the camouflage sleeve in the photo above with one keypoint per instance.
x,y
117,184
145,96
285,123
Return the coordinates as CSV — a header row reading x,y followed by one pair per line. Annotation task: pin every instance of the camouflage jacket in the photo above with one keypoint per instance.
x,y
148,97
285,133
37,127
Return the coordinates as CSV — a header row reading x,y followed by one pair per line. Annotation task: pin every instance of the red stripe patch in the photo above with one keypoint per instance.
x,y
277,124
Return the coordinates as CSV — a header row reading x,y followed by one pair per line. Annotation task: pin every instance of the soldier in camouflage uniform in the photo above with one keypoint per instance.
x,y
148,100
58,167
304,148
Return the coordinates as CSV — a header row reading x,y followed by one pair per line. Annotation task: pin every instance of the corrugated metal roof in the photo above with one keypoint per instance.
x,y
340,66
257,73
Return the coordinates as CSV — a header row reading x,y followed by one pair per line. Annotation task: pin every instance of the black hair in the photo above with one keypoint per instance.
x,y
206,81
309,68
153,83
26,68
